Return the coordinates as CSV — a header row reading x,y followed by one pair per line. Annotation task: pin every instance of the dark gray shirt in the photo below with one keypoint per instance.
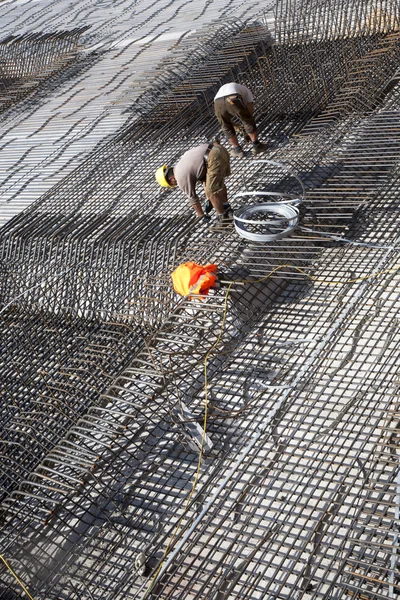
x,y
190,169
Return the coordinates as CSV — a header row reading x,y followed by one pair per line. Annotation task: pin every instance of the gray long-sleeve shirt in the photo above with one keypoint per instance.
x,y
190,169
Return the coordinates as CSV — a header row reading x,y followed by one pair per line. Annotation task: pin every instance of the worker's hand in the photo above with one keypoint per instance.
x,y
206,219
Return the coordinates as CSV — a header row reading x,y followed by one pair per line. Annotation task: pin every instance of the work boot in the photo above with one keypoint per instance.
x,y
259,147
224,220
228,211
236,152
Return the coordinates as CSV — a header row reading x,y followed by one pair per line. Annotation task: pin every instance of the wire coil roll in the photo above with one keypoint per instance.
x,y
266,222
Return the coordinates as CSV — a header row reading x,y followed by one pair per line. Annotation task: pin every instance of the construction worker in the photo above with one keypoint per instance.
x,y
209,164
235,100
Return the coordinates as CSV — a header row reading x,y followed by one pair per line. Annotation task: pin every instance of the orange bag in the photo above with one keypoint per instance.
x,y
190,278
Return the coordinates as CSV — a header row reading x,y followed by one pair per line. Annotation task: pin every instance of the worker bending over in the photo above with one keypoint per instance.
x,y
208,163
235,100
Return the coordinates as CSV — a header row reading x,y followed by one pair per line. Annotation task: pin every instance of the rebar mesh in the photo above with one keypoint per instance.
x,y
27,60
242,445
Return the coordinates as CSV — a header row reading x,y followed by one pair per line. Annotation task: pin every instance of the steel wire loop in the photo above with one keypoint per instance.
x,y
266,222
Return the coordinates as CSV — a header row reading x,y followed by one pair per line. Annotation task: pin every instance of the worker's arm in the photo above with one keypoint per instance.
x,y
250,106
188,186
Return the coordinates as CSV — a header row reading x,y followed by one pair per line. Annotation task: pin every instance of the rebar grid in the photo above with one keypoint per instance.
x,y
27,60
265,372
111,238
305,19
66,119
298,491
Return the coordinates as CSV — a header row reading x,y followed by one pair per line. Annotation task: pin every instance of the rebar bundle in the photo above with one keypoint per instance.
x,y
242,444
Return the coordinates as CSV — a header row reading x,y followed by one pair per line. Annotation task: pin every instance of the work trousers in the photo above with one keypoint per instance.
x,y
218,167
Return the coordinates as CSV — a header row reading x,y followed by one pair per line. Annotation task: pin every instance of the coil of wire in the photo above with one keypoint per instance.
x,y
266,222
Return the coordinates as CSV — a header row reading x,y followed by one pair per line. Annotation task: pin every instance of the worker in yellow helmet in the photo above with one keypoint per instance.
x,y
162,175
208,164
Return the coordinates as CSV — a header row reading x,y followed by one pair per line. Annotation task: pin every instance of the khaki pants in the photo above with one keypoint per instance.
x,y
218,167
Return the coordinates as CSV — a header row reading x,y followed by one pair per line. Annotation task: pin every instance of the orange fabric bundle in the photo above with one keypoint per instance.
x,y
190,278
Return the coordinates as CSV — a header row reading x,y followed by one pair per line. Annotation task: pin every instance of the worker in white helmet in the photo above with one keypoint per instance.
x,y
235,100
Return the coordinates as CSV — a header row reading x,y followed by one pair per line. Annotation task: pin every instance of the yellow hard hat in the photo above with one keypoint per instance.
x,y
160,176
